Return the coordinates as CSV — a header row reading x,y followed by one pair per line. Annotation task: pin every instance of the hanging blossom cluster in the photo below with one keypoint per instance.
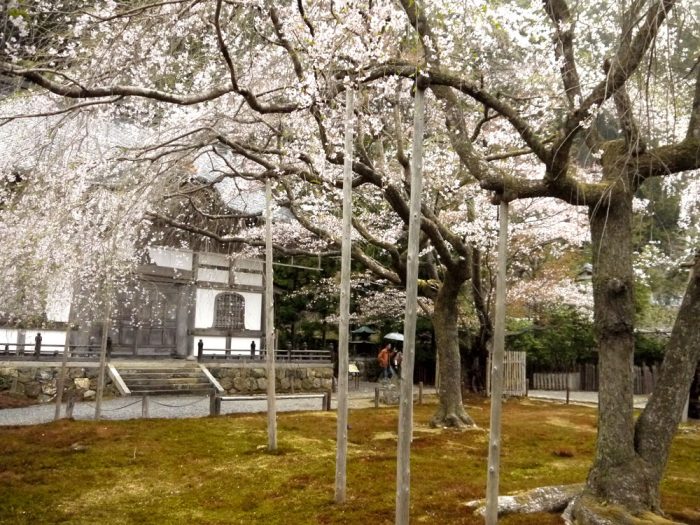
x,y
71,216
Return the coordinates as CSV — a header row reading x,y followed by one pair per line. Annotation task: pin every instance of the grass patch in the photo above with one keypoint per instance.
x,y
218,470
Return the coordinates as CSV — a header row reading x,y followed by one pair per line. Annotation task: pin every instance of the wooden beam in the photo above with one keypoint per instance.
x,y
403,463
497,372
270,323
344,326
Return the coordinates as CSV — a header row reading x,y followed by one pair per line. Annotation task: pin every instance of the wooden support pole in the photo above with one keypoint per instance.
x,y
103,352
270,324
497,372
212,404
144,407
344,324
70,405
60,384
403,462
376,397
420,393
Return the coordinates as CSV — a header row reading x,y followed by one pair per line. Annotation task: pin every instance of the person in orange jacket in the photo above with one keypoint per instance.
x,y
384,358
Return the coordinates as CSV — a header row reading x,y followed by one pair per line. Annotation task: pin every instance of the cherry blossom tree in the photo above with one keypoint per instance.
x,y
625,472
531,101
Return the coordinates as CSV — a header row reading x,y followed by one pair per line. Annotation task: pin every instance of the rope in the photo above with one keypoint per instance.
x,y
178,406
114,409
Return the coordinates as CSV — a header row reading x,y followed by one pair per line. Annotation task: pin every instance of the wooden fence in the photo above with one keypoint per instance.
x,y
585,378
514,374
556,381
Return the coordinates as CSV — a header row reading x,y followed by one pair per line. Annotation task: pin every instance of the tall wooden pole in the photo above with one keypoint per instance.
x,y
62,374
344,327
106,323
403,464
270,324
497,372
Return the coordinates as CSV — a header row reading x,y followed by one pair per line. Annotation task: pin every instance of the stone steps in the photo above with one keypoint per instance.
x,y
166,381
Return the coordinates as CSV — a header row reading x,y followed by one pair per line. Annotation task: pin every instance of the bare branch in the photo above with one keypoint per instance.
x,y
74,107
40,78
559,13
633,140
694,124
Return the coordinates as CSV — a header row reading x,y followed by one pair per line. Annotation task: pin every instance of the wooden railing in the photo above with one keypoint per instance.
x,y
28,352
281,355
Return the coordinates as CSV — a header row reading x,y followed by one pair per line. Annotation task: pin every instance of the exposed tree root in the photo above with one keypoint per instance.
x,y
542,499
453,419
578,507
586,510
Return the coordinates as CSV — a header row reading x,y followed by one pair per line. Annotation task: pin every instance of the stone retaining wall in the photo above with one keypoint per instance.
x,y
288,379
39,380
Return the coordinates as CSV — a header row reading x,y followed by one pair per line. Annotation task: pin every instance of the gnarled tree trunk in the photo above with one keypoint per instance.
x,y
630,460
445,316
617,474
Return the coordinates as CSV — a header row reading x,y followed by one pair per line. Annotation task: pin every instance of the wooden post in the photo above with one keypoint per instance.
x,y
497,373
420,393
403,462
376,397
62,375
270,323
212,404
103,352
344,325
70,406
144,407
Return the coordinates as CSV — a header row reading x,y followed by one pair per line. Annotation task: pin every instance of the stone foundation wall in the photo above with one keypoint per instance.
x,y
287,379
39,383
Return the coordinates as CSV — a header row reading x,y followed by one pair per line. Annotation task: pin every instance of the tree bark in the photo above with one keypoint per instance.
x,y
630,460
451,411
479,350
618,474
658,423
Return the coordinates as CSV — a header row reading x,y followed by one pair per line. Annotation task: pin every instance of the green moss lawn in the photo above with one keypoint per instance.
x,y
218,471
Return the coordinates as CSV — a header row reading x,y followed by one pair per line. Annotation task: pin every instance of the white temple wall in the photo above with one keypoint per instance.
x,y
205,302
170,257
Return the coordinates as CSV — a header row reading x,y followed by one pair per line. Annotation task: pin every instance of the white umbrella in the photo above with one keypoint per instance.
x,y
394,336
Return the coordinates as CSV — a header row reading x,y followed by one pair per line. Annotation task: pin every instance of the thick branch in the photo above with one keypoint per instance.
x,y
227,239
633,140
694,124
442,78
357,253
74,90
560,15
658,423
620,68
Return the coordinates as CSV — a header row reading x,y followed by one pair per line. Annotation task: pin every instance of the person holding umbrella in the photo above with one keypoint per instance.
x,y
384,358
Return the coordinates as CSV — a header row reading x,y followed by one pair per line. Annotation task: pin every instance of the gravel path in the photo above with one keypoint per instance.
x,y
179,407
361,396
158,407
582,398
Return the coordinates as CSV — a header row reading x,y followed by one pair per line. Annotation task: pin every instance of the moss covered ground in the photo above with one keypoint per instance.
x,y
218,471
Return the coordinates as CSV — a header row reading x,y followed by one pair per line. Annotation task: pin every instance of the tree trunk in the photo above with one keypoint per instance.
x,y
659,420
479,349
618,475
630,461
451,410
